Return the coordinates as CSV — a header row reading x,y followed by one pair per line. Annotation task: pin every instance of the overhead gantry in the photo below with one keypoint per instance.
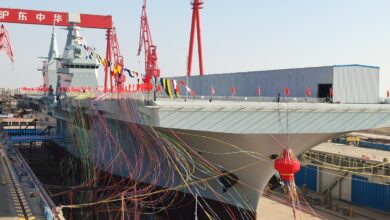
x,y
64,19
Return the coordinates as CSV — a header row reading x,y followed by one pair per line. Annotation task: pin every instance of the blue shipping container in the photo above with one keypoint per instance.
x,y
372,195
307,176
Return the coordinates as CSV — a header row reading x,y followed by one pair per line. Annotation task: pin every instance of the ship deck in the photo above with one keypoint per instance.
x,y
253,103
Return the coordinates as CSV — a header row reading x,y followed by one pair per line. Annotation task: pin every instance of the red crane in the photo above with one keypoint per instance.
x,y
196,6
5,43
23,16
115,63
145,40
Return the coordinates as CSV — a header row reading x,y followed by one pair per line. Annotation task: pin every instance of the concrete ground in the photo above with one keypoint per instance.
x,y
274,207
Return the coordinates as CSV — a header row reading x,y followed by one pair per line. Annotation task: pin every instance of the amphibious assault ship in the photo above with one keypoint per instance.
x,y
212,158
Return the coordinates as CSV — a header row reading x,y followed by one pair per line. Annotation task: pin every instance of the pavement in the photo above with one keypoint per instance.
x,y
275,207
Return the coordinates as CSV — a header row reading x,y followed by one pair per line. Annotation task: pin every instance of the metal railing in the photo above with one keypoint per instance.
x,y
250,99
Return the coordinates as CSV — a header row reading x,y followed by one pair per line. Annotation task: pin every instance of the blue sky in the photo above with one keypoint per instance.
x,y
238,35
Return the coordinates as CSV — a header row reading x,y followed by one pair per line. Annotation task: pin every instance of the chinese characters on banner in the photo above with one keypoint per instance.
x,y
52,18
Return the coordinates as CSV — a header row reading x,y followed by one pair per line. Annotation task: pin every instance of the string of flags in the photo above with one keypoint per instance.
x,y
116,69
170,86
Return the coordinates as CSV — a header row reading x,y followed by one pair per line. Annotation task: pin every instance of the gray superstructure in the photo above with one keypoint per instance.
x,y
78,67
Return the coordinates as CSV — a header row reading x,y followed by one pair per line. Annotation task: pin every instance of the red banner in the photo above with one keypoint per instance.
x,y
22,16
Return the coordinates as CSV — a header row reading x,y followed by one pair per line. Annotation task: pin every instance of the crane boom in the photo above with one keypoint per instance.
x,y
5,43
145,41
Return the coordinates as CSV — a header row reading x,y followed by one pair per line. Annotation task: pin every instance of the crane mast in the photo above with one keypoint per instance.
x,y
5,43
195,26
145,41
115,61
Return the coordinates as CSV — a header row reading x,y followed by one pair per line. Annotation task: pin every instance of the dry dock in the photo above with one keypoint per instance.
x,y
21,195
14,204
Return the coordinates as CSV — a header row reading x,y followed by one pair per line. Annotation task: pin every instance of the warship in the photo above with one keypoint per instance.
x,y
214,157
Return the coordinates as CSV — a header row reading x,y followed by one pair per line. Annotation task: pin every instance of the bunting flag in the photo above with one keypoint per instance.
x,y
128,72
233,91
286,91
308,92
168,87
331,92
388,94
212,91
159,88
162,82
89,52
104,62
100,58
175,88
117,69
258,91
135,73
192,92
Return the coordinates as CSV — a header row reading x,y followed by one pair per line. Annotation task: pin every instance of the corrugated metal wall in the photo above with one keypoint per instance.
x,y
370,195
307,176
351,83
271,82
356,84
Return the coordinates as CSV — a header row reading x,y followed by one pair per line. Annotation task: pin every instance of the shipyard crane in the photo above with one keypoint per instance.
x,y
145,41
35,17
115,63
5,43
196,6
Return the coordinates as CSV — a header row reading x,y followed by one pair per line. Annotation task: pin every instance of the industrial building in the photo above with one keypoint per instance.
x,y
347,83
352,174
